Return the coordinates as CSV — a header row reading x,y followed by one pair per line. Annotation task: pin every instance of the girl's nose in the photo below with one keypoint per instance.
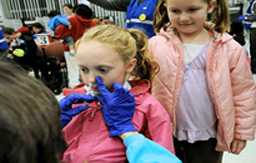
x,y
91,78
183,18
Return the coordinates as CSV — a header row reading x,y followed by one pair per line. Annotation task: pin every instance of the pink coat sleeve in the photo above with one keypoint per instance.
x,y
244,95
157,122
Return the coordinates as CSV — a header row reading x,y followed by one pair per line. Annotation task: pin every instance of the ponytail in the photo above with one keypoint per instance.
x,y
146,67
220,16
161,16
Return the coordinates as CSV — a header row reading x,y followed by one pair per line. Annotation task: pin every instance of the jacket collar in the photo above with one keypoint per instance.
x,y
171,33
140,87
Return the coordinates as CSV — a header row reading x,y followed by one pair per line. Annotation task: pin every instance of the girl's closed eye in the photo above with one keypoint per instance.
x,y
193,9
175,11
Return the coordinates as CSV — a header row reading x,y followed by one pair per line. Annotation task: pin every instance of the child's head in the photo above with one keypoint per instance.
x,y
68,9
115,54
84,11
191,15
29,119
53,13
38,28
8,34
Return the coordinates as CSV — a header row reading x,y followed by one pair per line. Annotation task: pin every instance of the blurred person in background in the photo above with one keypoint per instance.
x,y
37,28
249,20
68,9
24,27
56,19
80,22
3,44
139,13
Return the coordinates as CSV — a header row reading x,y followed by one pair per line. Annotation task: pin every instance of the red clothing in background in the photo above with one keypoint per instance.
x,y
79,26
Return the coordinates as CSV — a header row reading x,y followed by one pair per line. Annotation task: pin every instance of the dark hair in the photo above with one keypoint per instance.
x,y
30,130
84,11
8,30
160,16
23,21
53,13
68,5
40,26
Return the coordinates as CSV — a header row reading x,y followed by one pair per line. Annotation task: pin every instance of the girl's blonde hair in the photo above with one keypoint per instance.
x,y
128,44
219,17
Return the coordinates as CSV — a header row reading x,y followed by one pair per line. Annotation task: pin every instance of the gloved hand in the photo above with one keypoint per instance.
x,y
117,108
67,112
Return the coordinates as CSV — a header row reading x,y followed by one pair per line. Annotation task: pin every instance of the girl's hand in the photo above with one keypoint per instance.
x,y
237,146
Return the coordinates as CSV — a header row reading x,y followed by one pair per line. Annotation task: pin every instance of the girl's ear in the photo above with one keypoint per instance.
x,y
131,65
211,6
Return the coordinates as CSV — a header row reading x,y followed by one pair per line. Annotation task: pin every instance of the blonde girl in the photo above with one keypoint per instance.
x,y
117,56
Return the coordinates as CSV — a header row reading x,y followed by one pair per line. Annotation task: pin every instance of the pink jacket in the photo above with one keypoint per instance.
x,y
88,138
230,82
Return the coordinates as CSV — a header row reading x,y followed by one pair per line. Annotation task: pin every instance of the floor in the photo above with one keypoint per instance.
x,y
246,156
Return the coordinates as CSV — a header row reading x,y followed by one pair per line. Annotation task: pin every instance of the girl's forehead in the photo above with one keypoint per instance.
x,y
186,2
95,52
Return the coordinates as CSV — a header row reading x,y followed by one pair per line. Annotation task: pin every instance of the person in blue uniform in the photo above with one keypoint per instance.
x,y
249,20
139,13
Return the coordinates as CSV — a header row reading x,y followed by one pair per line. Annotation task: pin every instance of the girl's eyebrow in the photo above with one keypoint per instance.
x,y
195,6
82,66
192,6
104,66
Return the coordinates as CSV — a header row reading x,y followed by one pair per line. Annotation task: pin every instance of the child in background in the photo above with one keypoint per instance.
x,y
3,41
57,19
204,81
118,56
68,9
37,28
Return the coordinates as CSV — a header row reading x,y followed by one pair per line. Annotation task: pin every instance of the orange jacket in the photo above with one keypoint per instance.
x,y
230,82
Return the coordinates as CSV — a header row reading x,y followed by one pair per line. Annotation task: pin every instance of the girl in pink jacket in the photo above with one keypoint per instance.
x,y
204,81
118,56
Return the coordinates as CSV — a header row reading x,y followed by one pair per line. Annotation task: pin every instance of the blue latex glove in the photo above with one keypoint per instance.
x,y
67,112
117,107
